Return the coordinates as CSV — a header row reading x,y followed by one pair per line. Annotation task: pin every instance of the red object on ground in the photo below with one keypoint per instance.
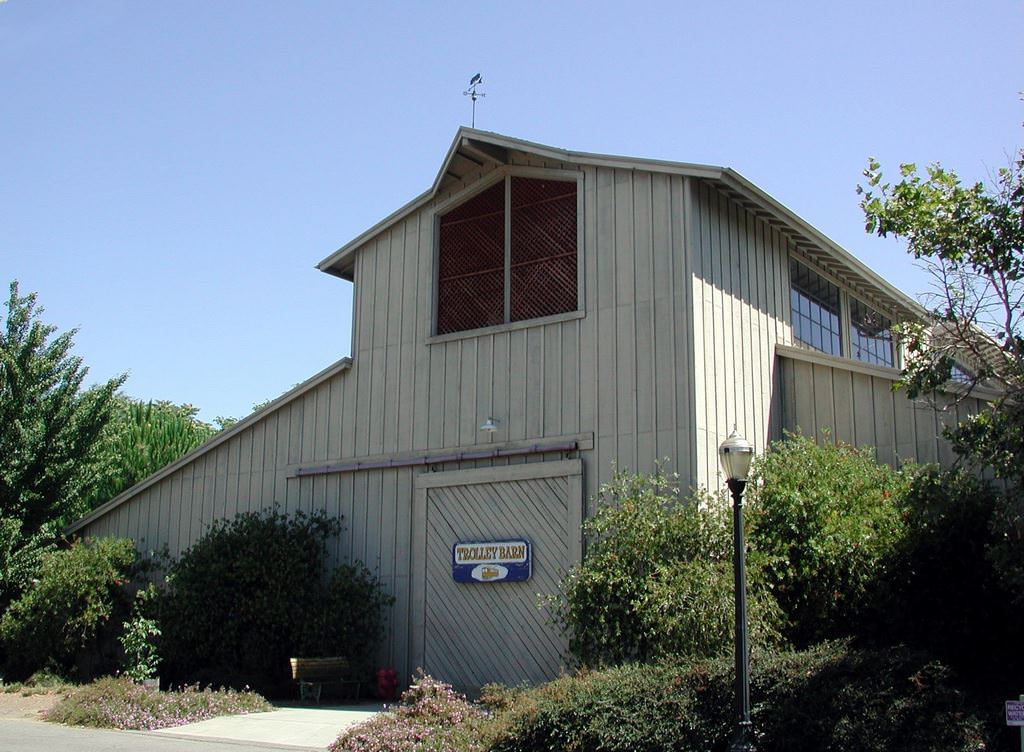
x,y
387,683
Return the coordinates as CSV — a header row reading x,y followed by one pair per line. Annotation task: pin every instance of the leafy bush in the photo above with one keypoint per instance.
x,y
943,591
431,716
78,592
348,619
825,519
1006,551
657,577
138,640
827,698
118,703
251,593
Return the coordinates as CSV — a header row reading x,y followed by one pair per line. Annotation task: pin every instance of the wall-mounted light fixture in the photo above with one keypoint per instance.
x,y
490,425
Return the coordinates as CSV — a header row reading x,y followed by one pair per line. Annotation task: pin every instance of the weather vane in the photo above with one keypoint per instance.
x,y
473,94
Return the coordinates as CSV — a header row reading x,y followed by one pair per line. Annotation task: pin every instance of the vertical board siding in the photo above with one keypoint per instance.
x,y
740,304
817,401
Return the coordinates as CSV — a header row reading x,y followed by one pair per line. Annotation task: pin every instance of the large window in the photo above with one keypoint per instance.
x,y
870,335
819,309
815,304
492,271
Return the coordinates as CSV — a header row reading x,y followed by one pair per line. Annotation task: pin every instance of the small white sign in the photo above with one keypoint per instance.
x,y
1015,713
488,572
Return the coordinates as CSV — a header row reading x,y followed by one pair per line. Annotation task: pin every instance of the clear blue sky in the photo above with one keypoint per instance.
x,y
170,172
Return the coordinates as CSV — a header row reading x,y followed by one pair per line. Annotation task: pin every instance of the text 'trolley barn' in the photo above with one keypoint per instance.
x,y
535,317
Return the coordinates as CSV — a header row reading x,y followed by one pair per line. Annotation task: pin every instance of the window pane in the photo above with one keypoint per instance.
x,y
543,275
471,263
814,304
870,335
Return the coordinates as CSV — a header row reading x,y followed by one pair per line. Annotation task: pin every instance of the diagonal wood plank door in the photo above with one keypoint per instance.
x,y
494,632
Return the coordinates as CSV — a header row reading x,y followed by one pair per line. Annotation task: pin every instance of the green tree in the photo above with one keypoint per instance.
x,y
49,429
970,239
141,438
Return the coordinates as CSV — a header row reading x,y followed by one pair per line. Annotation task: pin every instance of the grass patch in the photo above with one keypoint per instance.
x,y
40,683
118,703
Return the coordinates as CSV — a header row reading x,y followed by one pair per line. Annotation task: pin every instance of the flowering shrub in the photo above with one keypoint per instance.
x,y
432,716
118,703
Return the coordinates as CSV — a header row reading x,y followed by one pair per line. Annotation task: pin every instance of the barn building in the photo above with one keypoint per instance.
x,y
534,318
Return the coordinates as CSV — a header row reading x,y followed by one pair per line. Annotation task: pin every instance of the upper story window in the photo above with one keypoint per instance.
x,y
958,374
870,335
821,313
509,253
815,304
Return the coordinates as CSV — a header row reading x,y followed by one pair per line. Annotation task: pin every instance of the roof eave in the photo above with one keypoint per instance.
x,y
737,182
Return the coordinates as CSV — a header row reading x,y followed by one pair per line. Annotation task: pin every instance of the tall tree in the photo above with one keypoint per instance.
x,y
141,438
970,239
49,428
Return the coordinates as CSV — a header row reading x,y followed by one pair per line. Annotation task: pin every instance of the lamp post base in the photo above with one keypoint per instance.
x,y
743,739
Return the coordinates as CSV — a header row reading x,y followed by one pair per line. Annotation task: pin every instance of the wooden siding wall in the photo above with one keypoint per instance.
x,y
859,408
740,286
620,373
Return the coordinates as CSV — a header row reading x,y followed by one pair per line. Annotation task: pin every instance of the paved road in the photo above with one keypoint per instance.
x,y
33,736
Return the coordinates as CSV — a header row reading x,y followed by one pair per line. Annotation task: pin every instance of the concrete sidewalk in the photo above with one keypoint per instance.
x,y
302,728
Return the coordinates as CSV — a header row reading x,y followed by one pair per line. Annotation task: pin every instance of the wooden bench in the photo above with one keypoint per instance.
x,y
313,673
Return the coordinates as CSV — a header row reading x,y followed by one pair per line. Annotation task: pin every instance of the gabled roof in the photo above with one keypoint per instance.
x,y
472,149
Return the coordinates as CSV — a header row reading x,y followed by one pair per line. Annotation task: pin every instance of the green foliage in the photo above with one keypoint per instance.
x,y
252,592
1006,551
138,640
21,556
49,428
348,619
141,438
942,591
118,703
78,592
657,577
971,239
828,698
824,519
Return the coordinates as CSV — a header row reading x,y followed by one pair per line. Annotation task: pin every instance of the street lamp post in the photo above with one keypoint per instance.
x,y
736,454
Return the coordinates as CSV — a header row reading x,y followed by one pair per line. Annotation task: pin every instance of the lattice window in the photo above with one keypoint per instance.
x,y
471,263
492,272
543,248
815,308
870,335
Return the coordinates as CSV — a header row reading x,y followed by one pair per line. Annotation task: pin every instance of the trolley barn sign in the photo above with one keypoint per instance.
x,y
492,561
